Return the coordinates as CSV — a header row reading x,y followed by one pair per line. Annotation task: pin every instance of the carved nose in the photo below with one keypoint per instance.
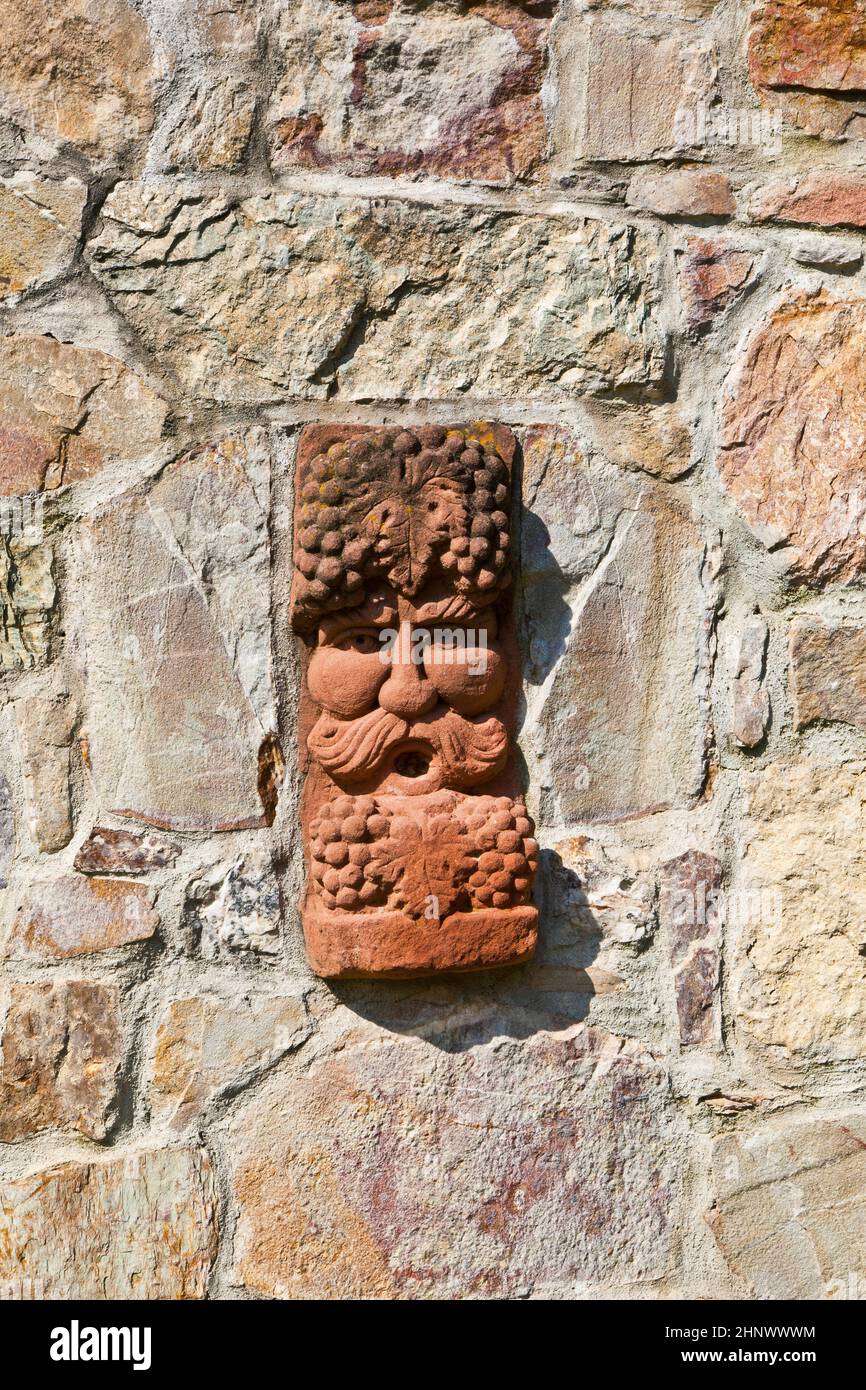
x,y
407,692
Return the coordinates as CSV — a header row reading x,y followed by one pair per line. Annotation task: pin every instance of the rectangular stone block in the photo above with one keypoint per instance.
x,y
828,673
396,299
138,1225
790,1208
61,1058
446,89
797,914
76,916
691,912
181,718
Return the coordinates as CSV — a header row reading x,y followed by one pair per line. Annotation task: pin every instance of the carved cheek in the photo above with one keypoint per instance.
x,y
469,681
346,683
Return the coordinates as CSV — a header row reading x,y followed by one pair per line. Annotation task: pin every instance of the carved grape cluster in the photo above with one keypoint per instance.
x,y
343,866
508,857
342,543
476,853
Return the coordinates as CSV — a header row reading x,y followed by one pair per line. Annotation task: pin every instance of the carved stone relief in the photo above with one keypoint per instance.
x,y
419,850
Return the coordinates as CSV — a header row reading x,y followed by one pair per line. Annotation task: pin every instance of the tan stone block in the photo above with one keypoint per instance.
x,y
77,73
682,193
27,597
797,913
178,643
790,1209
630,96
45,727
40,222
794,435
76,916
622,732
398,299
61,1058
207,1046
66,411
653,439
138,1225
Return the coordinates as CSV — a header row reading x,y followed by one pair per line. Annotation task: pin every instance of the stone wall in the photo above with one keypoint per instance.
x,y
631,232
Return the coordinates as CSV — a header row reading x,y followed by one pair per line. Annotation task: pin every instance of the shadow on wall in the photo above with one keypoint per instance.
x,y
458,1012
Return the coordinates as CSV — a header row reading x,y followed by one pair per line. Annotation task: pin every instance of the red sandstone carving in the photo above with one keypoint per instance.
x,y
421,859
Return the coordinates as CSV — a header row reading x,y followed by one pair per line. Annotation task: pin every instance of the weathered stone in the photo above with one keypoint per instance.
x,y
712,277
45,726
75,916
207,1047
141,1225
40,222
806,62
751,701
828,253
794,436
178,643
211,129
444,89
624,728
630,96
798,910
107,851
76,73
27,596
7,829
822,197
682,193
653,439
234,906
599,897
828,673
397,299
61,1059
691,914
354,1178
66,411
790,1209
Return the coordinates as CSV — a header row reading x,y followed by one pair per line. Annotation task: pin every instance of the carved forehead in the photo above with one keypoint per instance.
x,y
378,609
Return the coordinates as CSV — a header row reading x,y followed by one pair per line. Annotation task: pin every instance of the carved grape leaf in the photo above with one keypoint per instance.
x,y
423,862
410,525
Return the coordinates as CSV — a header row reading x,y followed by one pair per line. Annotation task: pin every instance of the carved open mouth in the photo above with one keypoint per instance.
x,y
413,763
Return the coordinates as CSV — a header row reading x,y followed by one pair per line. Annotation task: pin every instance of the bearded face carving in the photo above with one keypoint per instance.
x,y
421,857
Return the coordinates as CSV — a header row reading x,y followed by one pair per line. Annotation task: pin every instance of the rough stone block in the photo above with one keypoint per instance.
x,y
62,1052
76,916
445,89
138,1225
398,299
794,435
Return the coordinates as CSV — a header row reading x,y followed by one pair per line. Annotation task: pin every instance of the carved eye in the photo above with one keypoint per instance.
x,y
361,641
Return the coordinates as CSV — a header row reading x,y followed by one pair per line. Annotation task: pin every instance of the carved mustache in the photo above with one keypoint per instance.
x,y
469,750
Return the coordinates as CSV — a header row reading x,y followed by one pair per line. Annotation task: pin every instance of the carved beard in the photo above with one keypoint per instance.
x,y
469,750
